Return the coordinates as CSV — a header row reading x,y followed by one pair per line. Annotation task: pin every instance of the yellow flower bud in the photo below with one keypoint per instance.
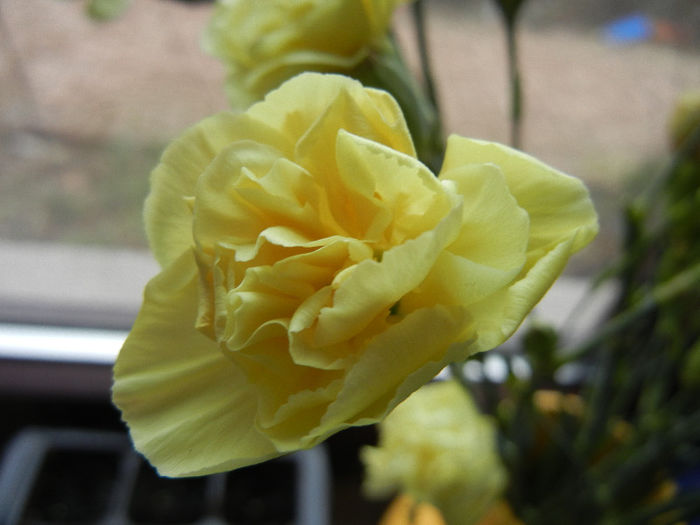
x,y
437,448
264,43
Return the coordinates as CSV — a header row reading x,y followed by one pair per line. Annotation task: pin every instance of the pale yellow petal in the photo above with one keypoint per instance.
x,y
395,132
495,228
168,208
288,394
167,215
273,294
223,211
354,111
558,205
379,13
189,410
456,280
491,247
385,196
394,364
298,104
498,316
373,286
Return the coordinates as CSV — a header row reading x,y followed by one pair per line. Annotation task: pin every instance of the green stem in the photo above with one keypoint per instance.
x,y
682,282
387,70
647,453
679,508
419,17
594,424
516,99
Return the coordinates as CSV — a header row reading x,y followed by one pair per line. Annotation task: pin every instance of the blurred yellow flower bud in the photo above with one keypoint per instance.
x,y
264,43
437,448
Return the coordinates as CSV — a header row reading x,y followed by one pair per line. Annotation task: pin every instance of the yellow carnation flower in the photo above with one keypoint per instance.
x,y
264,43
314,273
437,448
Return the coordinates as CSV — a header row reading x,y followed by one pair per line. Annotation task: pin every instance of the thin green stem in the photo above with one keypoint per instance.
x,y
684,281
510,10
419,19
516,98
387,70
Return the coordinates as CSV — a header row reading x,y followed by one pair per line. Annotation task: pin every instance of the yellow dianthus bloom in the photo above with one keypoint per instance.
x,y
315,273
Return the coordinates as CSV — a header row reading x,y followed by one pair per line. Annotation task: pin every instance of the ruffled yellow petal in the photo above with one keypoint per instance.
x,y
311,100
383,196
558,205
168,208
188,408
562,220
167,214
495,229
373,287
393,364
497,317
226,210
490,249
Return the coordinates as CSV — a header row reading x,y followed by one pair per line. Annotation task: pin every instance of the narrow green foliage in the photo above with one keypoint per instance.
x,y
610,453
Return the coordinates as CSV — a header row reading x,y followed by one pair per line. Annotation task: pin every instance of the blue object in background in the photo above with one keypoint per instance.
x,y
629,29
689,481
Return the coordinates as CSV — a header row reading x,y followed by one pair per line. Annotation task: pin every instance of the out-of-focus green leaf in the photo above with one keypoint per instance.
x,y
105,10
690,374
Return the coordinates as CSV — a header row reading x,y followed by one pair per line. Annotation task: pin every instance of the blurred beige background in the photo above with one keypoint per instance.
x,y
86,107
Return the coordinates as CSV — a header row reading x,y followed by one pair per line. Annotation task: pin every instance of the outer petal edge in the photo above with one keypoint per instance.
x,y
189,410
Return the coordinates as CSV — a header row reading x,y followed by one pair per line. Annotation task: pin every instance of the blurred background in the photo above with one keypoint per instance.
x,y
86,108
